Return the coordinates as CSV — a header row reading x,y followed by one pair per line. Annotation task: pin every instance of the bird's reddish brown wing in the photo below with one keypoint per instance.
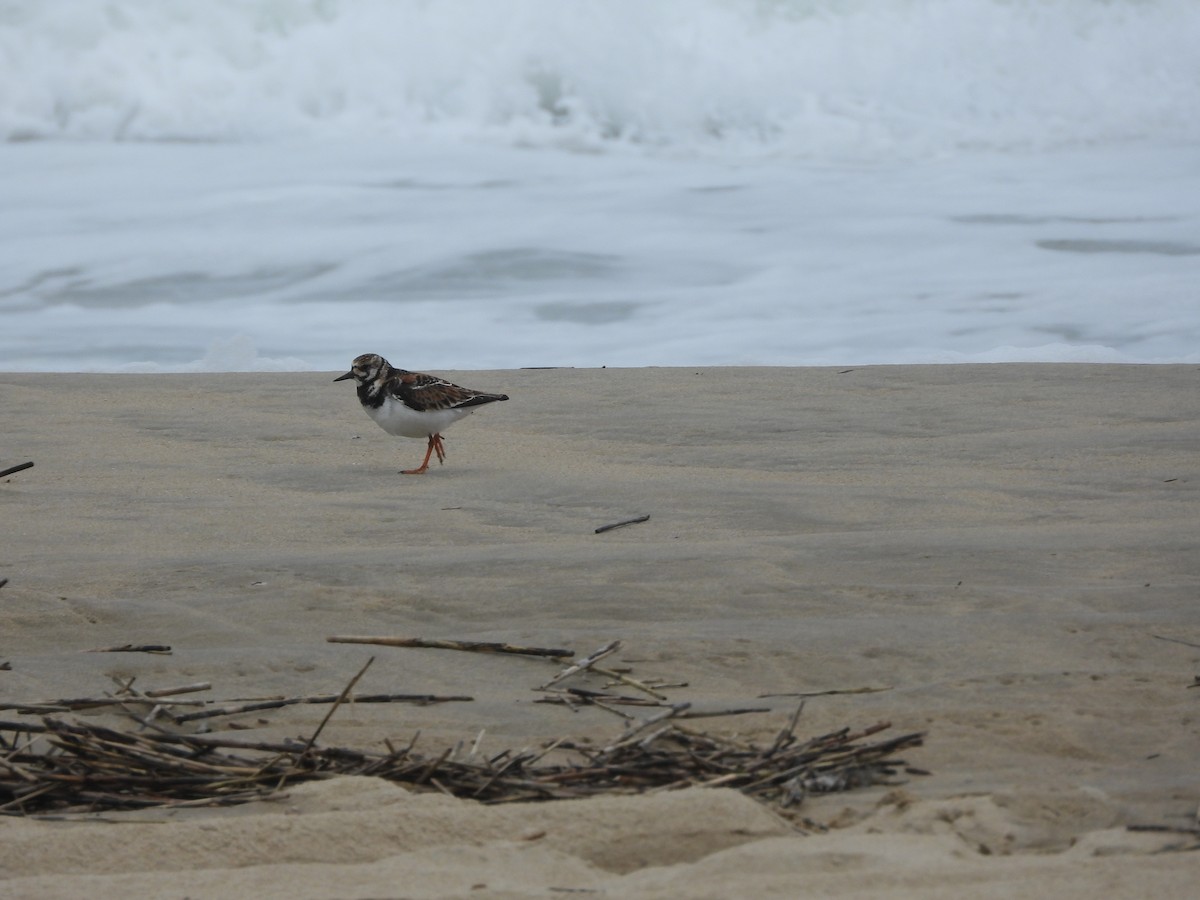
x,y
428,392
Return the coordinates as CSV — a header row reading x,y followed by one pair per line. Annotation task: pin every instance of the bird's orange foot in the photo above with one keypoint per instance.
x,y
435,444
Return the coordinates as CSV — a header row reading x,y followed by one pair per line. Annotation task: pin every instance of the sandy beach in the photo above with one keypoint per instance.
x,y
1006,553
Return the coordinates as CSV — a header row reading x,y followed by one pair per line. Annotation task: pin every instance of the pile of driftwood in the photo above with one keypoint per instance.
x,y
57,765
89,767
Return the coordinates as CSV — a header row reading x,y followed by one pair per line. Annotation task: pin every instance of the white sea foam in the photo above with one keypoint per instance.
x,y
809,77
277,184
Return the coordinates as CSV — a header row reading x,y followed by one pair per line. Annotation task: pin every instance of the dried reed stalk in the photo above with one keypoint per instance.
x,y
448,644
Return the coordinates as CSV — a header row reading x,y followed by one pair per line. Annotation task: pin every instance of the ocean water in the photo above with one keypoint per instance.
x,y
282,185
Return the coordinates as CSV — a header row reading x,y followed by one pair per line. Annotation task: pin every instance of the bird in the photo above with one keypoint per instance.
x,y
413,404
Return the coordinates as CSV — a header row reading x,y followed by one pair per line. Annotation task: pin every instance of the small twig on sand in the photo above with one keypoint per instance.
x,y
162,649
439,644
621,524
14,469
1163,637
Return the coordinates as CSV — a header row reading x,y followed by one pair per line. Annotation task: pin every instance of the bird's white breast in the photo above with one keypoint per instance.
x,y
396,418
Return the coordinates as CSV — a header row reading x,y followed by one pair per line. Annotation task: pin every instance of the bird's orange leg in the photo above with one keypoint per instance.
x,y
435,443
420,470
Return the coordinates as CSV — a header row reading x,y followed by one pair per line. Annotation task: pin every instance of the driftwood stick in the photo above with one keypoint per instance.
x,y
19,771
133,648
24,798
570,702
553,745
1166,829
637,728
627,717
514,761
1173,640
231,710
210,741
182,689
78,703
429,770
329,715
585,663
861,690
478,741
645,742
127,695
447,644
581,695
422,699
716,713
11,470
634,521
788,734
632,682
146,721
126,692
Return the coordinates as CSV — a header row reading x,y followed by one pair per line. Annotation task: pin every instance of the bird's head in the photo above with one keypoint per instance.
x,y
365,368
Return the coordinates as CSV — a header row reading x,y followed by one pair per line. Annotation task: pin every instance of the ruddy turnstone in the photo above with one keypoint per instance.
x,y
412,404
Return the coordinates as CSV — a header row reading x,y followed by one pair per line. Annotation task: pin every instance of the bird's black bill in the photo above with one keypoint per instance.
x,y
344,377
